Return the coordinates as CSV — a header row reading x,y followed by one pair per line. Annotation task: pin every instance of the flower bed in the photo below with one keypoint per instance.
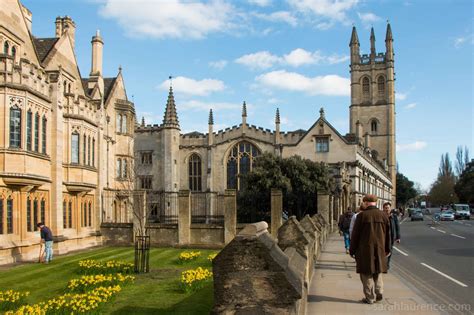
x,y
93,267
194,279
10,299
211,257
188,256
89,282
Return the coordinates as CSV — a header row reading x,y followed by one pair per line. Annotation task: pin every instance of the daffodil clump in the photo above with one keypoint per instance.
x,y
89,282
188,256
211,257
194,279
79,303
10,299
92,267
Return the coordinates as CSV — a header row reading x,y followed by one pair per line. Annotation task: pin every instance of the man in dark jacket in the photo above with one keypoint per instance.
x,y
344,225
370,244
47,240
394,228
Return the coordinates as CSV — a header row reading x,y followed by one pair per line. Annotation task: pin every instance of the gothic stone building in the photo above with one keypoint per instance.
x,y
58,130
362,161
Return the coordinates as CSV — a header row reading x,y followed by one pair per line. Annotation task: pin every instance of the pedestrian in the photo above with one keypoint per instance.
x,y
371,245
47,240
361,208
394,228
344,225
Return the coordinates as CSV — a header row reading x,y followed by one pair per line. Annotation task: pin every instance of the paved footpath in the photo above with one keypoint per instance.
x,y
336,288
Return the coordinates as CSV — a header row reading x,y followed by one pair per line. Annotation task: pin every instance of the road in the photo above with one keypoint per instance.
x,y
438,260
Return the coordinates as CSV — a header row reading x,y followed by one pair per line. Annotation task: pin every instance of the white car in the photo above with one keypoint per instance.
x,y
447,215
461,211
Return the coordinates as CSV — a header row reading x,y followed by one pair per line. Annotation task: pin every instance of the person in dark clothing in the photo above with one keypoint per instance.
x,y
394,228
344,225
47,240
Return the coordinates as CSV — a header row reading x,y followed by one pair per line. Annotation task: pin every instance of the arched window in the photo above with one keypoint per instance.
x,y
13,51
64,214
37,122
239,162
124,124
366,88
93,151
15,127
195,173
65,86
29,130
43,135
89,150
381,85
84,150
75,148
373,126
6,47
29,225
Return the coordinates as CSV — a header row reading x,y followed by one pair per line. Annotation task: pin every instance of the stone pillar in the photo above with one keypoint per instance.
x,y
323,206
184,217
230,215
277,211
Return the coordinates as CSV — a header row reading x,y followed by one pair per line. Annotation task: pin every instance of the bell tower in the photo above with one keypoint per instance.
x,y
372,110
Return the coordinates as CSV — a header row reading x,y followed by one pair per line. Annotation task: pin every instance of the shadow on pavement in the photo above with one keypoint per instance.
x,y
322,298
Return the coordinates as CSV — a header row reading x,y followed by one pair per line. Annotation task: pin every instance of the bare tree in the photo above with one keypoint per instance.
x,y
462,158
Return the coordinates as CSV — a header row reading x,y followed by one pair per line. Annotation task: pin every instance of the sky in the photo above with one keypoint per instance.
x,y
287,54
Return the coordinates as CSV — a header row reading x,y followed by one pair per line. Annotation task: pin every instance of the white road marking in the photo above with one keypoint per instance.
x,y
468,224
431,227
441,231
458,236
401,252
404,220
445,275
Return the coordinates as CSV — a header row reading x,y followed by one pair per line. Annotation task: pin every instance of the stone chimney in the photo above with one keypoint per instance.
x,y
66,24
97,49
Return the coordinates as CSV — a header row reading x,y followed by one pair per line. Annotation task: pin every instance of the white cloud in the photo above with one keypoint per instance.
x,y
260,3
278,16
368,17
400,96
171,19
194,87
219,64
258,60
410,106
461,40
319,85
273,100
334,10
295,58
206,106
415,146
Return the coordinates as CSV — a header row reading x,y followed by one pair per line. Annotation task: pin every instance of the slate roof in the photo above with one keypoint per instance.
x,y
43,46
108,84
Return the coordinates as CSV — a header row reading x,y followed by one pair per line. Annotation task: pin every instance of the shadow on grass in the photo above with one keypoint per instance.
x,y
199,302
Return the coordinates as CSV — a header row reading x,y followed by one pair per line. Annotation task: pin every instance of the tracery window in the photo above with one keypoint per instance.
x,y
366,88
29,130
37,121
44,135
240,161
15,127
373,126
75,148
381,85
195,173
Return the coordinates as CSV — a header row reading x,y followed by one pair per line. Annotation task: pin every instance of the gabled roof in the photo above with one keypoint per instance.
x,y
108,85
43,46
85,85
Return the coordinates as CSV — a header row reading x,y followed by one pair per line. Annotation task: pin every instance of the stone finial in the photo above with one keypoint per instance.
x,y
244,109
321,113
388,36
211,117
143,121
171,117
277,116
254,229
354,37
372,42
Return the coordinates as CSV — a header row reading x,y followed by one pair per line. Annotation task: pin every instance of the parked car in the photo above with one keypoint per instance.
x,y
417,215
447,215
461,211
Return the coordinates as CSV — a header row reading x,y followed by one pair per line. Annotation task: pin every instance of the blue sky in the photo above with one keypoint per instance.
x,y
289,54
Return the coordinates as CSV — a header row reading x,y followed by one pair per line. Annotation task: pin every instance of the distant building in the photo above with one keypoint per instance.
x,y
362,161
66,141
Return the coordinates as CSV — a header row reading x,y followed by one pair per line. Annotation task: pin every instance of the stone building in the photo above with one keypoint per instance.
x,y
362,161
58,131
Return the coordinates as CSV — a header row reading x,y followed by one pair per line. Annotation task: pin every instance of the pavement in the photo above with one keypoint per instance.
x,y
336,288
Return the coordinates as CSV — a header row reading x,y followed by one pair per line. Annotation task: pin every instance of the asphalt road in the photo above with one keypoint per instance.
x,y
438,261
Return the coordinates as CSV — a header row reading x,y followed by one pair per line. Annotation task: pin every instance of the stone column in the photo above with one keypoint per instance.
x,y
184,217
277,211
323,206
230,215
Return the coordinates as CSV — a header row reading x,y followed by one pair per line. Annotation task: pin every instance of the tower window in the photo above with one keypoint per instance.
x,y
6,47
373,126
366,88
381,85
195,172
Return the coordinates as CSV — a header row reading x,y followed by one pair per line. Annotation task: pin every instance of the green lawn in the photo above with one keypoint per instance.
x,y
157,292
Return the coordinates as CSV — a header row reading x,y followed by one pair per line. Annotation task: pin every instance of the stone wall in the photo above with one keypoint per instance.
x,y
117,233
256,274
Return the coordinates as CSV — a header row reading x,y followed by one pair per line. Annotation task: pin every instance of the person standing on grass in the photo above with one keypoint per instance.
x,y
47,240
370,245
394,228
344,224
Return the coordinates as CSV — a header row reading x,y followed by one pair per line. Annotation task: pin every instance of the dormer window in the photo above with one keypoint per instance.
x,y
322,144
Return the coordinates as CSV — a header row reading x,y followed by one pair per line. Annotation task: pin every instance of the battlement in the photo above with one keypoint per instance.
x,y
148,128
365,58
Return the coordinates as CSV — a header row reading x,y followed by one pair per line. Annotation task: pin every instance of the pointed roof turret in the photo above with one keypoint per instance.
x,y
388,35
354,37
171,116
277,116
211,117
244,109
372,41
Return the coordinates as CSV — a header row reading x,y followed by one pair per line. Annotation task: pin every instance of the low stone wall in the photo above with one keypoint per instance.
x,y
117,233
255,274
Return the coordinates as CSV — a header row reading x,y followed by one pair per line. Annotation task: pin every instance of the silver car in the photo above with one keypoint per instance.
x,y
417,215
447,215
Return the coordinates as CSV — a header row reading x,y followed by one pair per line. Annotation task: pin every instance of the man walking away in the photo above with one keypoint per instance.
x,y
370,245
344,224
47,240
394,228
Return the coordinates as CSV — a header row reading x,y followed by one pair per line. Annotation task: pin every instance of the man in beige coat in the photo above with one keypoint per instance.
x,y
370,245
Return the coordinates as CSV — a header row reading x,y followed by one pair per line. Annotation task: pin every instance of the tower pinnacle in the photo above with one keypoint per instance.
x,y
171,117
372,43
244,109
277,116
211,118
